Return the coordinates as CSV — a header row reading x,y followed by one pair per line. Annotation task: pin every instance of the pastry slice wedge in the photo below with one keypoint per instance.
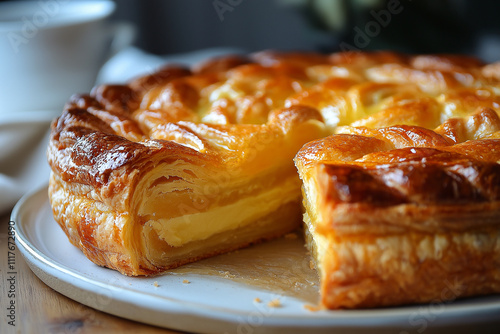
x,y
403,214
144,206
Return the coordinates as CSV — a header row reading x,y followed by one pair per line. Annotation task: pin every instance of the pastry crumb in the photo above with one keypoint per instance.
x,y
311,264
257,300
311,308
186,281
156,284
291,236
274,303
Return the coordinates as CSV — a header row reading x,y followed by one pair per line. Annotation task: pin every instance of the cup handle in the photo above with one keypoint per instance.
x,y
122,35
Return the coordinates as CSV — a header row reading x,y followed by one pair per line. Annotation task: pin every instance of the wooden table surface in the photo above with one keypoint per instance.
x,y
40,309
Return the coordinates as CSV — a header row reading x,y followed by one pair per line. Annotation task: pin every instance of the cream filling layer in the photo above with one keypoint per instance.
x,y
318,243
199,226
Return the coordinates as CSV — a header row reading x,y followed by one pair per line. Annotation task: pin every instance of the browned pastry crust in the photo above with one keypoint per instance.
x,y
186,163
404,214
180,165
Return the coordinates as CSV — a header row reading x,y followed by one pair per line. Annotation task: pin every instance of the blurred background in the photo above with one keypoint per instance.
x,y
424,26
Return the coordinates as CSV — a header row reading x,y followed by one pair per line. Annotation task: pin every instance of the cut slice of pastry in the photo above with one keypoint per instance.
x,y
143,206
403,214
183,164
153,175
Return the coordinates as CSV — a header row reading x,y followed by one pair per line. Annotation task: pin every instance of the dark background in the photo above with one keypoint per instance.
x,y
421,26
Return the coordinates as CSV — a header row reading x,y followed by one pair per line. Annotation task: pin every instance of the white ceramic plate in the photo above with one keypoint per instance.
x,y
214,304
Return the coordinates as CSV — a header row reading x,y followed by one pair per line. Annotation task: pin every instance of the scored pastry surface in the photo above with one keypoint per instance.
x,y
395,214
184,164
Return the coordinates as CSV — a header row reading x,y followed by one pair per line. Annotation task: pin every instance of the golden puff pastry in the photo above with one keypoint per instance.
x,y
183,163
178,166
404,214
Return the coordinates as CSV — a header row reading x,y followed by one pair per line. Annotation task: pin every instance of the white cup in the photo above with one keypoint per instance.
x,y
51,49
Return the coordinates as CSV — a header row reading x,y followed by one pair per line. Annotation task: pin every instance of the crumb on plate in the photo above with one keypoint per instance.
x,y
274,303
311,308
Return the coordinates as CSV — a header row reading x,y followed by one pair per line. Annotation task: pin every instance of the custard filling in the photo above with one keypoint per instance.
x,y
181,230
